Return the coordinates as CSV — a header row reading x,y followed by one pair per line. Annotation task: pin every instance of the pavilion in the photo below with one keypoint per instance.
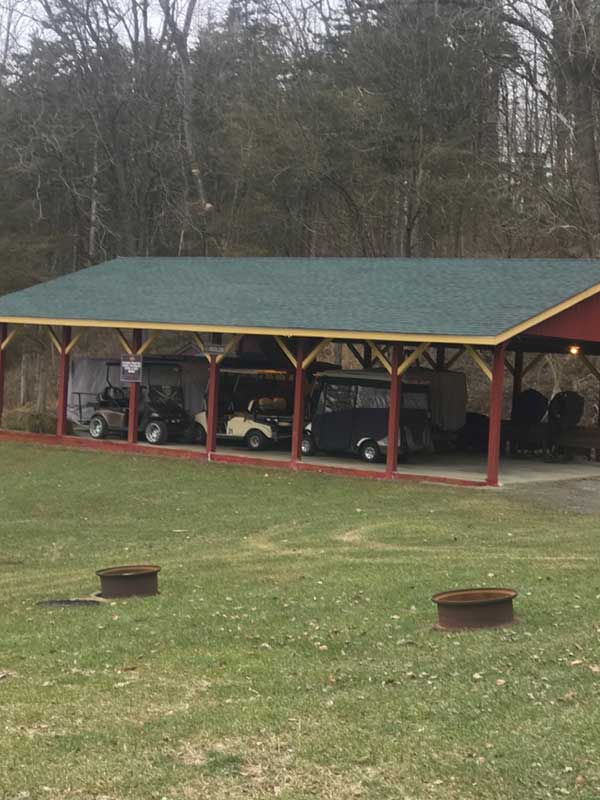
x,y
395,311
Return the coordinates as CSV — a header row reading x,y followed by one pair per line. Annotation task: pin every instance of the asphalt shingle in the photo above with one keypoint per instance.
x,y
444,297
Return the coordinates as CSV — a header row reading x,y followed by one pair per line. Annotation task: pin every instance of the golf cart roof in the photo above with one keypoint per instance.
x,y
148,362
253,371
412,375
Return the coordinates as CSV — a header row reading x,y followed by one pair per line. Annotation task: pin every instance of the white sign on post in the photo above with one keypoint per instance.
x,y
131,369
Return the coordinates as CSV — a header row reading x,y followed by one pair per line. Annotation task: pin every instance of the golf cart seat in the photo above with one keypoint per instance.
x,y
113,395
267,405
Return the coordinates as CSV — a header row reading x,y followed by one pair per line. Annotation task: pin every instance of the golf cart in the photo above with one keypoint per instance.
x,y
349,414
253,408
161,414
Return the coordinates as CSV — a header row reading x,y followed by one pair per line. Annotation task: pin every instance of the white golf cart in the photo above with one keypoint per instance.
x,y
253,408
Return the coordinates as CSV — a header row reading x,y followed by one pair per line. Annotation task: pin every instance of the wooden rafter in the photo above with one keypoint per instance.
x,y
54,339
533,363
355,352
379,355
432,363
589,365
4,344
285,349
148,343
198,340
479,361
228,347
122,338
72,343
509,366
314,353
455,357
410,360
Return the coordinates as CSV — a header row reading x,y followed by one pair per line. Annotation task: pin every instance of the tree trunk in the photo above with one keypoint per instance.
x,y
93,206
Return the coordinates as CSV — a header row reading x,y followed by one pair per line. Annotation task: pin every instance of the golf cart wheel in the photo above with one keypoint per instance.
x,y
194,434
255,440
199,433
156,432
307,445
369,451
98,427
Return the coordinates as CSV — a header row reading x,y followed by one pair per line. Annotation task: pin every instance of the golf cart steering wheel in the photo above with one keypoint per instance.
x,y
116,393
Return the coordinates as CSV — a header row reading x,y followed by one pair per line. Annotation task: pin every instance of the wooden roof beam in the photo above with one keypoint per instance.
x,y
124,343
379,355
147,344
314,353
286,350
533,363
410,360
585,360
455,357
8,339
474,355
72,343
54,339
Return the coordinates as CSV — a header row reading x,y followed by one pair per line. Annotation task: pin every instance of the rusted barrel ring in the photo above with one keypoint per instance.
x,y
460,609
128,581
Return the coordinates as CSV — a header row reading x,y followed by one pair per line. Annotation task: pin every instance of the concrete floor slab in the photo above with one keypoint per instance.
x,y
458,466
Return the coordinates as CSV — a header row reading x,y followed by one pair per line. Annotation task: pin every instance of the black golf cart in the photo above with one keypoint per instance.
x,y
161,413
349,409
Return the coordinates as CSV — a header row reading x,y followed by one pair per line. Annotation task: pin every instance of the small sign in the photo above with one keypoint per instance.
x,y
214,348
131,369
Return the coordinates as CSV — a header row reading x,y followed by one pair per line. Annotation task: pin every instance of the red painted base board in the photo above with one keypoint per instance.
x,y
77,442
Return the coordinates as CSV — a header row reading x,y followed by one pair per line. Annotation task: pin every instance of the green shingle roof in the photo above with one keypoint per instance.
x,y
474,298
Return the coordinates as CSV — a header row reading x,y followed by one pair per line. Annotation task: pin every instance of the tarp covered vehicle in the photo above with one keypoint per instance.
x,y
349,411
161,413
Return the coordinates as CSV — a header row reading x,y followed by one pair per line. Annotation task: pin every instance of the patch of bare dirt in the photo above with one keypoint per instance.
x,y
578,496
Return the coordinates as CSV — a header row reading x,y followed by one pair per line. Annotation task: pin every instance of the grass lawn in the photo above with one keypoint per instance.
x,y
290,653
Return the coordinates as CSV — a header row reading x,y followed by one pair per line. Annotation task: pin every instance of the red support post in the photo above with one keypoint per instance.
x,y
298,419
394,412
134,396
212,412
494,436
63,383
3,335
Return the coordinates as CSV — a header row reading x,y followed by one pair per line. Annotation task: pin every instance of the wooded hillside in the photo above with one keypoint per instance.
x,y
295,127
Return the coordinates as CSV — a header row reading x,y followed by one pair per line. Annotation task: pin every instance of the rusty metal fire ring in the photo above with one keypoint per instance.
x,y
462,609
129,581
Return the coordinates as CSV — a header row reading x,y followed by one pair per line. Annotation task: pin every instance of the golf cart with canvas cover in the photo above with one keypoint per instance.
x,y
254,407
162,415
349,411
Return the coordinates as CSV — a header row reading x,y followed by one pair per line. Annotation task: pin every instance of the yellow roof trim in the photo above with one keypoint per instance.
x,y
549,312
509,333
240,329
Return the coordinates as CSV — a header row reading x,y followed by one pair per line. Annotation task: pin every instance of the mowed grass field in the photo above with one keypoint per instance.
x,y
290,652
